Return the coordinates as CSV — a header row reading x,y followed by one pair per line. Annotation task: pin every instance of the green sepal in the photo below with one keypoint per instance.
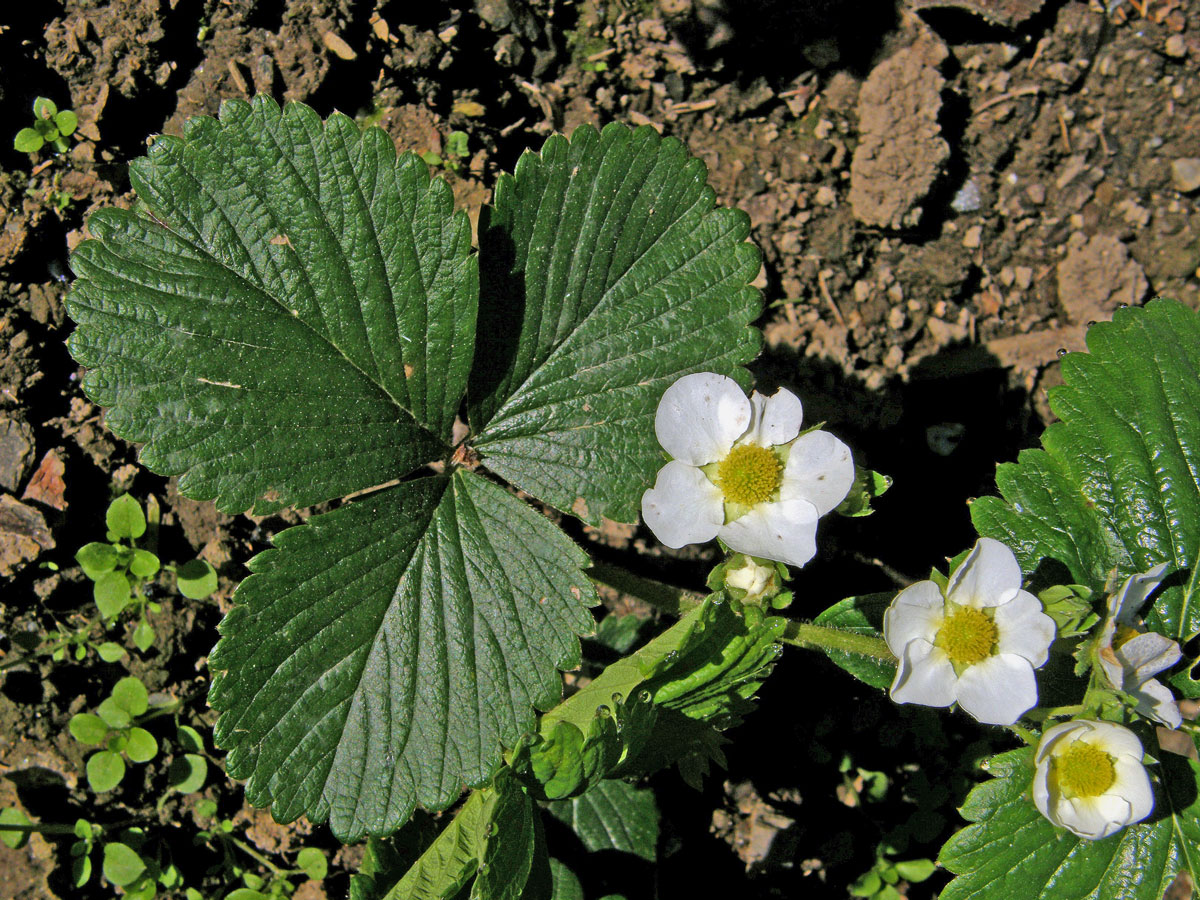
x,y
868,485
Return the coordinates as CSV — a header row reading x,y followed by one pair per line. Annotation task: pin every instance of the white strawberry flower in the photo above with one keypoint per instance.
x,y
741,471
976,645
1129,654
1089,778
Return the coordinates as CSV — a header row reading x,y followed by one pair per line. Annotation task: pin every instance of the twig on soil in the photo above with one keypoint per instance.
x,y
1025,91
823,284
1066,133
691,106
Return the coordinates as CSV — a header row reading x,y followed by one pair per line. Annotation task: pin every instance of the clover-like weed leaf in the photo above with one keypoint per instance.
x,y
291,321
607,274
384,652
1011,852
1118,481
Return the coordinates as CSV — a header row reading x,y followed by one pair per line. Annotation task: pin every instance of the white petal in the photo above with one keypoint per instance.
x,y
924,676
786,531
1024,629
988,576
1133,783
917,612
775,419
1156,701
683,507
997,690
700,416
819,469
1115,740
1124,605
1094,817
1041,790
1147,654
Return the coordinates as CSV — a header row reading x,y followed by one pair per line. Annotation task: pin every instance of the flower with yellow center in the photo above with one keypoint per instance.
x,y
741,471
1129,654
1089,778
976,644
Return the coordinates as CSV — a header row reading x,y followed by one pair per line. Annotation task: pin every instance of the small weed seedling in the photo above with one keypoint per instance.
x,y
50,126
120,569
453,153
116,725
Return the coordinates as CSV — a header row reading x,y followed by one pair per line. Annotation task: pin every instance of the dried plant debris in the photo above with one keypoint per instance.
x,y
1008,13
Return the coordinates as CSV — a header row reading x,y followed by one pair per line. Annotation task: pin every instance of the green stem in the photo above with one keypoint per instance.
x,y
255,855
822,637
39,829
671,600
677,602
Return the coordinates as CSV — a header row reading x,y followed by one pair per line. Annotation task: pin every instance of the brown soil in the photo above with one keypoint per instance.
x,y
946,194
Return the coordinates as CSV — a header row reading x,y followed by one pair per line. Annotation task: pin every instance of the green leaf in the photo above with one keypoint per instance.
x,y
14,840
302,303
418,627
28,141
1013,852
246,894
187,773
81,870
143,636
189,739
44,108
66,121
613,815
915,871
113,714
87,728
196,578
105,769
860,615
130,694
566,884
125,518
142,746
313,862
454,857
144,563
111,593
609,275
509,856
95,559
1116,483
110,652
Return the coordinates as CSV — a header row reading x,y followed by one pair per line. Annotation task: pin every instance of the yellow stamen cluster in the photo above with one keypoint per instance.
x,y
1084,770
968,636
749,475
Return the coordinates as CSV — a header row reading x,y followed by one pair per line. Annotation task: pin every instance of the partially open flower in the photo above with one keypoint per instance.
x,y
1130,655
741,471
1090,778
976,645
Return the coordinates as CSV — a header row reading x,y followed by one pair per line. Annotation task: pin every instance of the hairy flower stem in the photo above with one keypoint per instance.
x,y
822,637
677,601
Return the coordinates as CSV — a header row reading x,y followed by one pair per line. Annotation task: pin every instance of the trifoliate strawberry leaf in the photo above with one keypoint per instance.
x,y
384,653
292,319
613,815
608,274
1012,852
1118,481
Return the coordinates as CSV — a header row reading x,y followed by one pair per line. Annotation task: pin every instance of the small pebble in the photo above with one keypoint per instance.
x,y
1175,46
973,239
1185,173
